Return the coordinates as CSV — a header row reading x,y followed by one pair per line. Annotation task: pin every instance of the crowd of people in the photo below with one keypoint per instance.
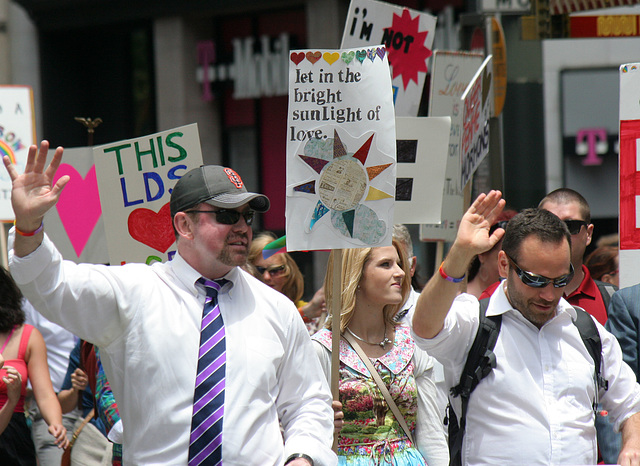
x,y
214,357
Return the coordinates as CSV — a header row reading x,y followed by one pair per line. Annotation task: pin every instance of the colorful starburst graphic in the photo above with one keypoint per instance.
x,y
343,185
407,52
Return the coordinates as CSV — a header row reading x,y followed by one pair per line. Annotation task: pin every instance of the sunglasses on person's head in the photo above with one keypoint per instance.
x,y
227,217
538,281
273,270
501,224
575,226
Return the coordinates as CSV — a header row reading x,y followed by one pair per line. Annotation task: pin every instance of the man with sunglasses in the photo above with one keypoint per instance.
x,y
537,405
583,291
147,321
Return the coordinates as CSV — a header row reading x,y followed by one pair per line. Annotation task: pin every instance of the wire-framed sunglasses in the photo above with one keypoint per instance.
x,y
575,226
538,281
273,270
227,217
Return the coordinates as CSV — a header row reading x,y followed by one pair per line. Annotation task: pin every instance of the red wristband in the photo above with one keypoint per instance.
x,y
32,233
444,275
305,319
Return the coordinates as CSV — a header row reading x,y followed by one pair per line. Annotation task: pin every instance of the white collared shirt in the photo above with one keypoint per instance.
x,y
146,322
535,407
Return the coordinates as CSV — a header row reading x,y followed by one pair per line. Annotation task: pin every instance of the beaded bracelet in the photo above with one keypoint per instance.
x,y
33,233
444,275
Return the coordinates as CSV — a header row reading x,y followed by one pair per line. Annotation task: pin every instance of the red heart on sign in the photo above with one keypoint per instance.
x,y
314,57
154,230
297,57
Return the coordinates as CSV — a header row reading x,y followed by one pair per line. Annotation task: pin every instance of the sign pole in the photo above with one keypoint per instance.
x,y
336,306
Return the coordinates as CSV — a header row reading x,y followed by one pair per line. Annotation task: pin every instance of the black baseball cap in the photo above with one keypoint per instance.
x,y
219,186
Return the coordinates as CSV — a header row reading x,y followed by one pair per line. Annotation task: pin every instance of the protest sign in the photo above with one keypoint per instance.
x,y
451,74
477,109
75,224
629,174
340,149
17,133
422,145
408,36
135,179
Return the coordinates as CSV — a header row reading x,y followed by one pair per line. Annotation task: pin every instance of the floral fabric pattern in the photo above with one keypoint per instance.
x,y
371,433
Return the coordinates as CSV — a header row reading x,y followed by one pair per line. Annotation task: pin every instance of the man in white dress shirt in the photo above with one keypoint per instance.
x,y
146,321
536,406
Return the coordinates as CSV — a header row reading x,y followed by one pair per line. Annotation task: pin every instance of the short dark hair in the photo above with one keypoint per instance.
x,y
11,312
567,196
540,223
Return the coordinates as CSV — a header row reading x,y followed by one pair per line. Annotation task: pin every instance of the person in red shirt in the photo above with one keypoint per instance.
x,y
571,207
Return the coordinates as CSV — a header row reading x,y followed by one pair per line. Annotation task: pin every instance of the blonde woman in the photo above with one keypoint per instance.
x,y
374,286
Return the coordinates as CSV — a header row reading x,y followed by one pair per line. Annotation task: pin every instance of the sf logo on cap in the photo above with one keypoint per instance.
x,y
233,177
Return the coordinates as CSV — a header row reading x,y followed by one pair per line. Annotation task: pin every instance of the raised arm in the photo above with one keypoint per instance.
x,y
472,239
33,193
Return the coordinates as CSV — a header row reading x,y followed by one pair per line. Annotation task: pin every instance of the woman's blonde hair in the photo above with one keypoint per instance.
x,y
293,287
353,263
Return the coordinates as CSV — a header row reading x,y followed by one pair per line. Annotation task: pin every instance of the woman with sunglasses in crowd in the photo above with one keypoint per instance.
x,y
375,283
24,353
281,273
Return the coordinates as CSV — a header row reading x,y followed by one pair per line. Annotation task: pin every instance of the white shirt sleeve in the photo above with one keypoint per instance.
x,y
430,433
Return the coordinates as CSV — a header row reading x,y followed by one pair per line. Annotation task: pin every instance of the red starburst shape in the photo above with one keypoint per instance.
x,y
405,43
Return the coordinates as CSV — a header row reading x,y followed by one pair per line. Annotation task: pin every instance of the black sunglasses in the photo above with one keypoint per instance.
x,y
575,226
538,281
227,217
501,224
274,270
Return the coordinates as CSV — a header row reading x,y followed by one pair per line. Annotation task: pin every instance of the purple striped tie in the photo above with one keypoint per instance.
x,y
205,443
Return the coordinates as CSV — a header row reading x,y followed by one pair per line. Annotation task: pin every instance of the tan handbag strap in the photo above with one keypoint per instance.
x,y
383,388
77,431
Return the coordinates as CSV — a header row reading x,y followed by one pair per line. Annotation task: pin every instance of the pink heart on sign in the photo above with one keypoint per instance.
x,y
79,205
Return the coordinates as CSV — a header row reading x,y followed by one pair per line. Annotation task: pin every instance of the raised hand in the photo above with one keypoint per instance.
x,y
33,192
473,234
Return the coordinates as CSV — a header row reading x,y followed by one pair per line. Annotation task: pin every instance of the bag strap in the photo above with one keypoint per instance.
x,y
606,291
381,385
79,429
480,362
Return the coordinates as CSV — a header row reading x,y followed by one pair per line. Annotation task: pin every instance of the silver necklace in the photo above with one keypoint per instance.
x,y
381,344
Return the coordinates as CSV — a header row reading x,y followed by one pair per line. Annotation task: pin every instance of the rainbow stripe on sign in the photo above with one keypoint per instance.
x,y
6,149
275,247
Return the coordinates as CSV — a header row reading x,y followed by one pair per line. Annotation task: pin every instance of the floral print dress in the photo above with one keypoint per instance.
x,y
371,434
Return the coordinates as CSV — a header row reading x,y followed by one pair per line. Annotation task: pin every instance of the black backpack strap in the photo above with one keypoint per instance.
x,y
591,339
606,291
480,362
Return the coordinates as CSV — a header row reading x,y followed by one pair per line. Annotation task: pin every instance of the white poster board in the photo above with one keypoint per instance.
x,y
422,144
629,255
17,133
135,179
477,104
451,74
341,150
408,36
75,225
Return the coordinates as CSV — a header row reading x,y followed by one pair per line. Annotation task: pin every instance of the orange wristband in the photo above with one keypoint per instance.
x,y
444,275
32,233
304,318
